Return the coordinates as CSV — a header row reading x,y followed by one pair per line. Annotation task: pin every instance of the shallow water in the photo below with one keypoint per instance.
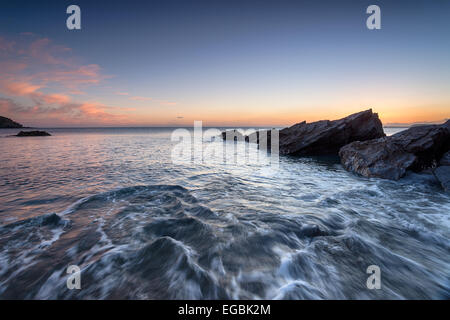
x,y
139,226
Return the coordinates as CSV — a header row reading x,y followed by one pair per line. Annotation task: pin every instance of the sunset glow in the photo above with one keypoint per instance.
x,y
221,156
269,74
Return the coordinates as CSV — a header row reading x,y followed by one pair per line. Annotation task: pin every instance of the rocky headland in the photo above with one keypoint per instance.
x,y
6,123
363,147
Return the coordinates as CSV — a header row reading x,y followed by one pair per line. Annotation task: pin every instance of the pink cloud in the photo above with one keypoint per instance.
x,y
167,103
138,98
19,88
42,63
29,69
45,52
39,79
82,114
71,78
12,66
56,98
77,92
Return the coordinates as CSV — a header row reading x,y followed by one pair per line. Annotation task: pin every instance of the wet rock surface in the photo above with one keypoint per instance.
x,y
415,149
323,137
327,137
442,173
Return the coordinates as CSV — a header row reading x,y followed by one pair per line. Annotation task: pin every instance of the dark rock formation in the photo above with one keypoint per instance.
x,y
327,137
324,137
234,135
415,149
264,135
32,134
8,123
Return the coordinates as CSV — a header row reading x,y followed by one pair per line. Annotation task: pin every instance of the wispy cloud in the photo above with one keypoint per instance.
x,y
166,103
39,79
82,114
77,92
160,102
139,98
31,69
27,34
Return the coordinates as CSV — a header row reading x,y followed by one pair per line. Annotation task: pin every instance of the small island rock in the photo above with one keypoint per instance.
x,y
33,134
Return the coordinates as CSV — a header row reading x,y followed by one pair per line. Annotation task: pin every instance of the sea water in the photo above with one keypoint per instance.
x,y
139,226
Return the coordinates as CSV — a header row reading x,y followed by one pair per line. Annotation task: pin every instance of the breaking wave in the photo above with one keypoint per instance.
x,y
160,242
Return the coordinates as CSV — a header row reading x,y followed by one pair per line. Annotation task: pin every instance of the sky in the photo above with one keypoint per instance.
x,y
226,63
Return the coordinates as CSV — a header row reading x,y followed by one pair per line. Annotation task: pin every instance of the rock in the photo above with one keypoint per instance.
x,y
416,149
8,123
50,219
234,135
445,160
442,173
32,134
324,137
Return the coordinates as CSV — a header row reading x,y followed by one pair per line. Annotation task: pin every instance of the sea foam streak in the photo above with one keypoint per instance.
x,y
160,242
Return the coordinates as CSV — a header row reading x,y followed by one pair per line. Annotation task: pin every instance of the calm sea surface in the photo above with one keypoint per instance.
x,y
140,226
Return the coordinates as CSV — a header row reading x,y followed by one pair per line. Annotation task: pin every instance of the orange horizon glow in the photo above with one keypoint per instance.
x,y
39,88
104,119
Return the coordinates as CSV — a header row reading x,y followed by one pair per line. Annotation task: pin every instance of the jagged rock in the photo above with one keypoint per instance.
x,y
327,137
234,135
32,134
324,137
8,123
415,149
442,173
50,219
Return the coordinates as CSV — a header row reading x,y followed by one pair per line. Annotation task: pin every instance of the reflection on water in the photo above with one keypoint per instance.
x,y
140,226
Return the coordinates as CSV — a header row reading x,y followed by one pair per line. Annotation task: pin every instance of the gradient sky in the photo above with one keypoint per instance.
x,y
138,63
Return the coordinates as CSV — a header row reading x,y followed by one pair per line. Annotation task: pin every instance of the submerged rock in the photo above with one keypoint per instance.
x,y
415,149
442,173
445,160
323,137
32,134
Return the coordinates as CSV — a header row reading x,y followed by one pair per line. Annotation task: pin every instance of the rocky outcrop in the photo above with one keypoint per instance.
x,y
327,137
32,134
415,149
323,137
8,123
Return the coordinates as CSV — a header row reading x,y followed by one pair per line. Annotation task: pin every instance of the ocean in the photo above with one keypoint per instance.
x,y
112,202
